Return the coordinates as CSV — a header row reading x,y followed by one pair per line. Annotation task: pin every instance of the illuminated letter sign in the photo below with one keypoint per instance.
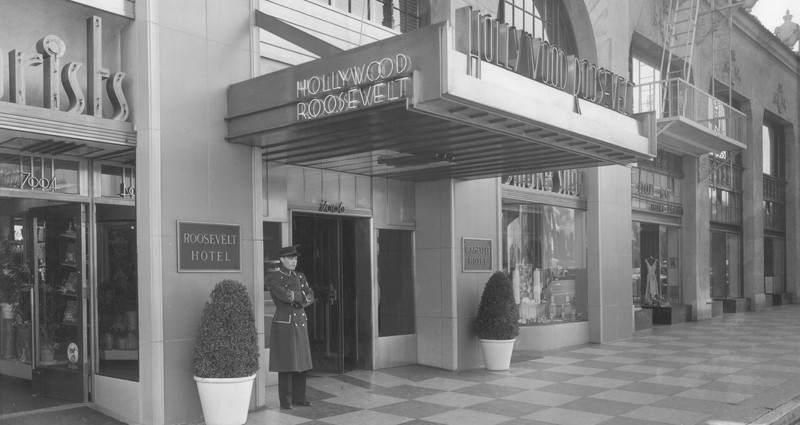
x,y
379,81
483,39
208,247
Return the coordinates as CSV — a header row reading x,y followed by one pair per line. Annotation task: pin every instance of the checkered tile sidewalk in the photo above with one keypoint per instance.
x,y
740,369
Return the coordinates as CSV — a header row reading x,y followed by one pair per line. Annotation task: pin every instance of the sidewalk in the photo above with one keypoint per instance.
x,y
739,369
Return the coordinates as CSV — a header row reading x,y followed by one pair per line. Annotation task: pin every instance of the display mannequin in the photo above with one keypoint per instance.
x,y
652,282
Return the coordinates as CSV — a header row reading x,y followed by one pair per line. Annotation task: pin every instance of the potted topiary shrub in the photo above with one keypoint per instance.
x,y
497,323
225,358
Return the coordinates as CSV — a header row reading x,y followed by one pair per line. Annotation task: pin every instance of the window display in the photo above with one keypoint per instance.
x,y
117,288
655,264
545,253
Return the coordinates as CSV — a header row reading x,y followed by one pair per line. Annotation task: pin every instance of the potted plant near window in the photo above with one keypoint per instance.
x,y
497,323
47,351
225,358
18,282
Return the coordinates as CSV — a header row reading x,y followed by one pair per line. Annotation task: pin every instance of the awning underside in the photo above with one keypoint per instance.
x,y
32,144
391,141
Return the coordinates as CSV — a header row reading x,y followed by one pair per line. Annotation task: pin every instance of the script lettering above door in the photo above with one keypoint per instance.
x,y
324,206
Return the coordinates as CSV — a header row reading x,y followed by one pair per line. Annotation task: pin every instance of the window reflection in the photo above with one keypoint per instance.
x,y
544,251
117,292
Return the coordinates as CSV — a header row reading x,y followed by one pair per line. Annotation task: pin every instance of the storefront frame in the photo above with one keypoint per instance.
x,y
89,196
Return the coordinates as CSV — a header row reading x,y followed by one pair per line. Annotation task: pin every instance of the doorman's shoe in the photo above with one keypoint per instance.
x,y
303,403
286,406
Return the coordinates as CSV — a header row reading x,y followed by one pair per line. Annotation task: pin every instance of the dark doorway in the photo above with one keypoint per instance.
x,y
335,257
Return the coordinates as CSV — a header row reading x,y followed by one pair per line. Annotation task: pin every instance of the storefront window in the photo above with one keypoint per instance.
x,y
395,282
39,174
16,283
117,181
656,267
545,253
117,292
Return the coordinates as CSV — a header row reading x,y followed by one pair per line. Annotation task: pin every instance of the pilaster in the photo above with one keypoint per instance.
x,y
608,223
696,240
753,211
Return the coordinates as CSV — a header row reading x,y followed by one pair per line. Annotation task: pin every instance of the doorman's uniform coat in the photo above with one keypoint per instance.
x,y
289,348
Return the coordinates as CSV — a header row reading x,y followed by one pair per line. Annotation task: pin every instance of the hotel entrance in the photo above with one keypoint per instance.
x,y
335,257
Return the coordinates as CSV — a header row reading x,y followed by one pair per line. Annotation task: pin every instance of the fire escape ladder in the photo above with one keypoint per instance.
x,y
679,42
720,32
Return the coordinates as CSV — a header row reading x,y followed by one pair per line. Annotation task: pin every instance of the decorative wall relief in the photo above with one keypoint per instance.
x,y
731,68
779,100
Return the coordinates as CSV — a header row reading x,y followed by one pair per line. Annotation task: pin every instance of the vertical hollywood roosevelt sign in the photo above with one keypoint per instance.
x,y
50,49
209,247
484,39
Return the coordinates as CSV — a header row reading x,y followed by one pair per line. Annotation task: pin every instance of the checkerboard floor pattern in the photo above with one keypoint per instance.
x,y
725,371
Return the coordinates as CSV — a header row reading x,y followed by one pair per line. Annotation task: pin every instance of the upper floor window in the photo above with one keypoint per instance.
x,y
643,72
399,15
647,95
544,19
772,141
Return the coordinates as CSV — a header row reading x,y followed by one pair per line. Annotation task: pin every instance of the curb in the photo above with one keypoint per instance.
x,y
785,414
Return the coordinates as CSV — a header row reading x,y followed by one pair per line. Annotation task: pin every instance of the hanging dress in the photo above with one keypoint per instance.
x,y
652,281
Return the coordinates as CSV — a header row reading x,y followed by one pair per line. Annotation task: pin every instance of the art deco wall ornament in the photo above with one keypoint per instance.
x,y
732,68
704,166
788,32
779,100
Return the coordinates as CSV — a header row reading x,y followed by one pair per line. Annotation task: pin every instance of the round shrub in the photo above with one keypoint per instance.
x,y
498,315
227,342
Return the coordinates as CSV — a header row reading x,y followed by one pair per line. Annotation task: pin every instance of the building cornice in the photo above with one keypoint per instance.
x,y
752,28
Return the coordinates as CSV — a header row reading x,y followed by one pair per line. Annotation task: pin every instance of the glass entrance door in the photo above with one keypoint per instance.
x,y
60,319
334,255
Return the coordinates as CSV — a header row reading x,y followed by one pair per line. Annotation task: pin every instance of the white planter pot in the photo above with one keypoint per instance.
x,y
225,401
497,353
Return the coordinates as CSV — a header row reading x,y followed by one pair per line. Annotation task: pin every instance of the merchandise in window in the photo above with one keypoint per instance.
x,y
117,292
545,253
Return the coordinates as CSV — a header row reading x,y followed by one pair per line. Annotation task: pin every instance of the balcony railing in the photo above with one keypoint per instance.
x,y
774,189
725,174
774,203
677,98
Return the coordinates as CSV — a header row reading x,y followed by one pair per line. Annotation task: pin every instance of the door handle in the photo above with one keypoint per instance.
x,y
331,294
